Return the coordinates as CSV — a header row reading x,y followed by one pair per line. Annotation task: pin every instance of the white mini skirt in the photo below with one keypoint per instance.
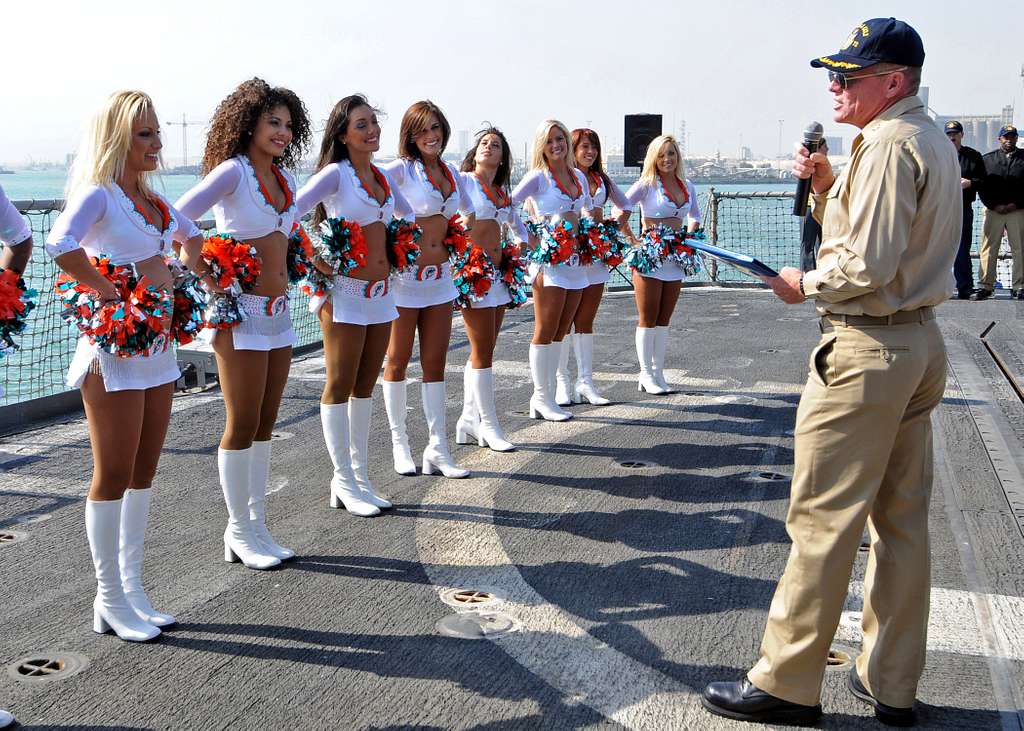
x,y
267,327
497,295
358,301
596,273
569,275
669,271
137,373
424,286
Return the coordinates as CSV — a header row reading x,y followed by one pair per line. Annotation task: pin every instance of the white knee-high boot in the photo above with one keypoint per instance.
x,y
260,471
111,610
585,390
395,400
563,382
542,402
240,541
660,345
359,412
134,518
344,488
467,425
489,430
436,455
645,354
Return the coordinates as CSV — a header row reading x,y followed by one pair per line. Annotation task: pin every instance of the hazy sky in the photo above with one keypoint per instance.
x,y
731,68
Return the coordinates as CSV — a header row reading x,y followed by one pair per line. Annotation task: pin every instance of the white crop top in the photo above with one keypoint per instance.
x,y
104,220
242,206
602,195
423,194
338,187
657,204
498,209
14,228
548,198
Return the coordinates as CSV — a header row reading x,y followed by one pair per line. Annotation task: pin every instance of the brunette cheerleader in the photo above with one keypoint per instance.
x,y
361,243
424,294
490,277
603,248
126,372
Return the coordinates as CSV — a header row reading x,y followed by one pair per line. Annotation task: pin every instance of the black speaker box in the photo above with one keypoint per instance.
x,y
640,130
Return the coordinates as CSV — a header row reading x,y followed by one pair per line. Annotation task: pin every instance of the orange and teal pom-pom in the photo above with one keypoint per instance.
x,y
342,245
299,258
231,260
16,302
472,274
130,326
403,243
455,239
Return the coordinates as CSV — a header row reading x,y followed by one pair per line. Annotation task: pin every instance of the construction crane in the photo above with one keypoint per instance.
x,y
185,124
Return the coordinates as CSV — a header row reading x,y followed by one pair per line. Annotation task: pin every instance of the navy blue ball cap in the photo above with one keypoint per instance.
x,y
879,40
953,127
1008,131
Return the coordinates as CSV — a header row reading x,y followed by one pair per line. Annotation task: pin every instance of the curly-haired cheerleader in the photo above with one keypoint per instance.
x,y
610,239
360,245
257,132
661,260
424,294
559,195
490,278
124,363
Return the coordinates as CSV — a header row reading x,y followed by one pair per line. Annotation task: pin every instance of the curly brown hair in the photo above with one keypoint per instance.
x,y
236,117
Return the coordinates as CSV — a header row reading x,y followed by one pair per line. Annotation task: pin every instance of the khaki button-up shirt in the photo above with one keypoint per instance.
x,y
891,220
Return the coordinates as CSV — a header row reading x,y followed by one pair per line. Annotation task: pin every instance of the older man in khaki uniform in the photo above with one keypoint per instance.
x,y
890,229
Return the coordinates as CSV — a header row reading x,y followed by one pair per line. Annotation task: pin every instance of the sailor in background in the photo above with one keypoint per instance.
x,y
1003,196
972,177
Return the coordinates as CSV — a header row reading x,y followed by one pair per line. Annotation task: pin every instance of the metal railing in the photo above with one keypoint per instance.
x,y
757,223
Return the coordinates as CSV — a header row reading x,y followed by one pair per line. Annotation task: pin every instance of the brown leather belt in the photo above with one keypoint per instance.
x,y
922,314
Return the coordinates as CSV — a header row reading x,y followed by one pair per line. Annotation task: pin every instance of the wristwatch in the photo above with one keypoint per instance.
x,y
802,293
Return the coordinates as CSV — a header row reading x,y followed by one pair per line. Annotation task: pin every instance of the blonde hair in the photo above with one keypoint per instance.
x,y
105,144
649,172
540,140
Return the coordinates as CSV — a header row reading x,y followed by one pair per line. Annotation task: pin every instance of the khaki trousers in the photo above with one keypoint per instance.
x,y
988,252
863,454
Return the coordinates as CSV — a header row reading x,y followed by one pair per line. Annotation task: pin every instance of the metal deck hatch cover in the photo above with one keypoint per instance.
x,y
634,464
10,537
46,667
476,625
768,477
470,598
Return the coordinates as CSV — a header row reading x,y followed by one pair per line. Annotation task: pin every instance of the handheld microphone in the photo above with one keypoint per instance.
x,y
812,139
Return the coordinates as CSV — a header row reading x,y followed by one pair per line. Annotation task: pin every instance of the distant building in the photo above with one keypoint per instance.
x,y
746,154
681,138
835,145
981,131
463,139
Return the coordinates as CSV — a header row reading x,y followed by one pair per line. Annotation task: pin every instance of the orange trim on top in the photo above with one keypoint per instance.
x,y
668,194
265,192
499,200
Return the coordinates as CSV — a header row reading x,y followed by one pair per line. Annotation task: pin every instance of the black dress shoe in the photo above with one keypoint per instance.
x,y
1019,295
744,701
1013,294
889,715
964,294
981,294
